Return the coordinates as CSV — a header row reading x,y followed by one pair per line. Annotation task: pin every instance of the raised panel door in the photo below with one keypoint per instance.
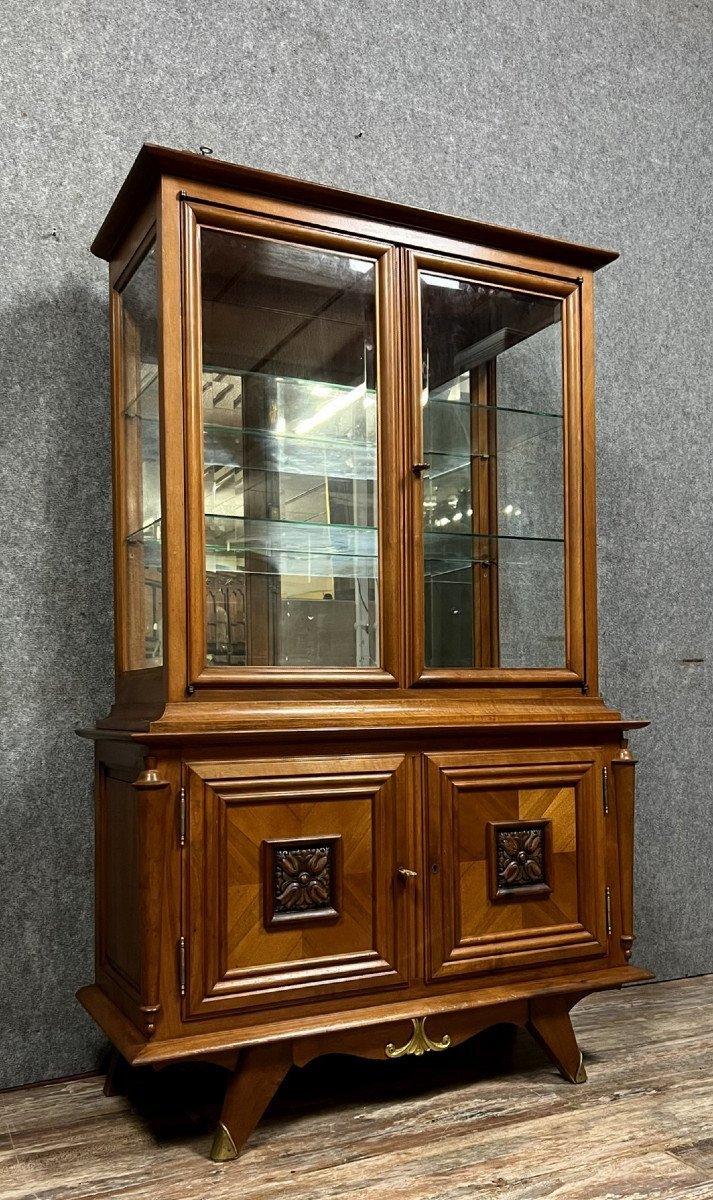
x,y
292,885
516,845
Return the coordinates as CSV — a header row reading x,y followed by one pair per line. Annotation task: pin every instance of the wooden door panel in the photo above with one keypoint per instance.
x,y
517,852
292,882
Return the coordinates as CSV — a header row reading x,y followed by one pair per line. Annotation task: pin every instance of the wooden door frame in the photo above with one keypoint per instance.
x,y
195,216
580,624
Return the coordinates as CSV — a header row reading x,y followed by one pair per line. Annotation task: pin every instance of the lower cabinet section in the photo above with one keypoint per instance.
x,y
292,888
385,904
517,852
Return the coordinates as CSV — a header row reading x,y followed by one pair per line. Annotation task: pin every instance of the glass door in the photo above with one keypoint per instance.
x,y
495,399
293,382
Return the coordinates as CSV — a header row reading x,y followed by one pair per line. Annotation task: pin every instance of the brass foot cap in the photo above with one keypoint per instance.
x,y
581,1076
223,1148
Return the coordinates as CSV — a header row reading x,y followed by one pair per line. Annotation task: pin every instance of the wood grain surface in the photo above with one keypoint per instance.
x,y
484,1120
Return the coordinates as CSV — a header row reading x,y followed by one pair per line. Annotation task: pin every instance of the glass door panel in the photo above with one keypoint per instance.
x,y
142,571
493,487
290,454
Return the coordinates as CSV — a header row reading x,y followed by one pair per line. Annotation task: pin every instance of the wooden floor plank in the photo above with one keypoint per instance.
x,y
446,1127
698,1154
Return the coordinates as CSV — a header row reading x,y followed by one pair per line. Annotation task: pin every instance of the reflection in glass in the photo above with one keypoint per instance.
x,y
142,472
493,496
289,447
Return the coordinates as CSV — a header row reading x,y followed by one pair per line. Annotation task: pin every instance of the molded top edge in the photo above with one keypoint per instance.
x,y
590,728
154,161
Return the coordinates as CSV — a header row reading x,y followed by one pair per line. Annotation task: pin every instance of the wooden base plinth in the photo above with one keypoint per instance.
x,y
259,1059
138,1050
262,1069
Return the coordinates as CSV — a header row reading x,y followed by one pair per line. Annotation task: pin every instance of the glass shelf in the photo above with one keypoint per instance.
x,y
145,403
288,454
452,460
285,566
445,553
453,428
227,388
463,401
294,453
280,437
142,551
149,533
489,537
282,521
224,388
304,408
292,547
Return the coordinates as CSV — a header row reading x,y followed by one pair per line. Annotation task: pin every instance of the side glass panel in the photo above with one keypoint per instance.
x,y
290,454
493,495
142,470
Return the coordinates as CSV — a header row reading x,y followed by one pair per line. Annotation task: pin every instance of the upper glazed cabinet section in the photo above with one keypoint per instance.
x,y
378,441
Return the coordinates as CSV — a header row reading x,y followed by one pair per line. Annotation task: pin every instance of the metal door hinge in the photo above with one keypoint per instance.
x,y
182,816
605,790
182,966
607,900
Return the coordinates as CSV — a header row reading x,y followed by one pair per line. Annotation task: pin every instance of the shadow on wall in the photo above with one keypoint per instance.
x,y
56,664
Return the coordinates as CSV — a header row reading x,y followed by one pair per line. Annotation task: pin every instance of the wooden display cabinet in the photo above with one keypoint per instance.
x,y
358,791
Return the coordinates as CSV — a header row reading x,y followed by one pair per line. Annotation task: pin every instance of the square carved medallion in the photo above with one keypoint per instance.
x,y
519,859
302,879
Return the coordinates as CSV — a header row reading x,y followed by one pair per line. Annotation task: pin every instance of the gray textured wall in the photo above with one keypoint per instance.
x,y
586,119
